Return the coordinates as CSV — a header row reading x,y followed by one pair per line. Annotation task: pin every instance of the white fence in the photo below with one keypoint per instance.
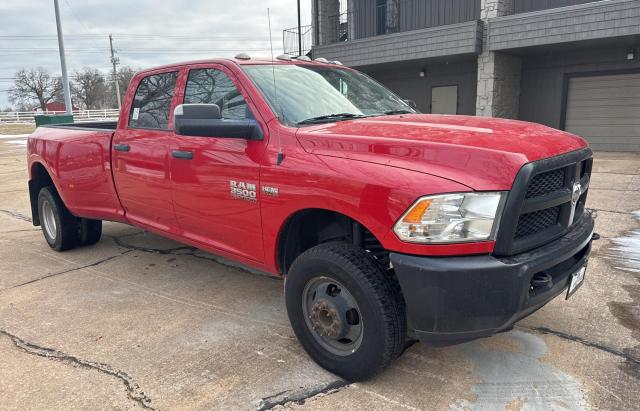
x,y
78,115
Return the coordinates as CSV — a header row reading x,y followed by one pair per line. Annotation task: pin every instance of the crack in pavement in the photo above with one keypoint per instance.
x,y
134,392
301,395
16,214
614,351
188,251
95,263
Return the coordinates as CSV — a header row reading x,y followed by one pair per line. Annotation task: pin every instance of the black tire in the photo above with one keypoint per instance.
x,y
63,235
378,298
89,231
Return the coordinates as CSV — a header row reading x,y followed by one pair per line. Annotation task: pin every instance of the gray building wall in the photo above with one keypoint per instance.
x,y
450,40
543,77
405,80
596,20
523,6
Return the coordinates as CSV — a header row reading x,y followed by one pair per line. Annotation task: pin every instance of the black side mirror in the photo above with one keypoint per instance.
x,y
205,120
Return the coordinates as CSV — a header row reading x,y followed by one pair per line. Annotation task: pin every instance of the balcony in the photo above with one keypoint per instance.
x,y
295,45
369,18
386,31
581,22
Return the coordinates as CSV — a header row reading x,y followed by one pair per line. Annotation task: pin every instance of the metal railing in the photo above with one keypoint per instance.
x,y
78,115
290,41
393,16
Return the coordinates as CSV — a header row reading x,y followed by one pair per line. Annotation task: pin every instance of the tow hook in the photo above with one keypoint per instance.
x,y
595,236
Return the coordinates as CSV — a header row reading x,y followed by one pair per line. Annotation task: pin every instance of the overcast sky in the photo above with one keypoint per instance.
x,y
146,32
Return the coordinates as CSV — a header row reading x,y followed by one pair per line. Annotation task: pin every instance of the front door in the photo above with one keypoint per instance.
x,y
216,181
444,100
140,154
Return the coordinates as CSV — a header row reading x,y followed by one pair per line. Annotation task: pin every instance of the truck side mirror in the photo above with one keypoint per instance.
x,y
205,120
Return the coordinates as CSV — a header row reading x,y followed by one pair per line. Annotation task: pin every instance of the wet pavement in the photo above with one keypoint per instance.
x,y
138,321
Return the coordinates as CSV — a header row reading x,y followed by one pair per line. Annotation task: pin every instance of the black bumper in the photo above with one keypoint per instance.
x,y
456,299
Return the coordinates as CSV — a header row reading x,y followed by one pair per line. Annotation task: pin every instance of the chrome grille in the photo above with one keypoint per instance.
x,y
546,183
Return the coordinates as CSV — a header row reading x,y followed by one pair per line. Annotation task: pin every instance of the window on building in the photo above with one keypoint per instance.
x,y
387,17
152,102
212,86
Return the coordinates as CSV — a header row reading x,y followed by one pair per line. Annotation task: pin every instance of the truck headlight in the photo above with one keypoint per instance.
x,y
452,218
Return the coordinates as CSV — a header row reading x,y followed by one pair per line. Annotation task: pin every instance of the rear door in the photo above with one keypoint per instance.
x,y
216,188
141,153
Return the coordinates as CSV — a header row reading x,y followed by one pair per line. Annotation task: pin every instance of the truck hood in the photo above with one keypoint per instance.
x,y
479,152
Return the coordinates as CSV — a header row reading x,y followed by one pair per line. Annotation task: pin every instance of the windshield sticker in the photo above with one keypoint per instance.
x,y
136,113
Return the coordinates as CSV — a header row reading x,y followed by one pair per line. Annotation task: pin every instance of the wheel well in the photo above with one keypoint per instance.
x,y
39,178
308,228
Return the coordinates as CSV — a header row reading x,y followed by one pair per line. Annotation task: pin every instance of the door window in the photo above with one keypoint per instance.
x,y
152,102
212,86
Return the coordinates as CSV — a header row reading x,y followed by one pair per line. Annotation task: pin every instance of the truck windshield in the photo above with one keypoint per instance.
x,y
309,94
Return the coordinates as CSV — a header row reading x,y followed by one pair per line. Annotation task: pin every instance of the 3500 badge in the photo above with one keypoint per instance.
x,y
242,190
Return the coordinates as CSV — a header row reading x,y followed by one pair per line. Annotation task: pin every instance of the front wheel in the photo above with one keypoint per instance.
x,y
347,312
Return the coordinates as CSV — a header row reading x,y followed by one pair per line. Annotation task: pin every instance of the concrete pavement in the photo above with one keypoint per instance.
x,y
138,321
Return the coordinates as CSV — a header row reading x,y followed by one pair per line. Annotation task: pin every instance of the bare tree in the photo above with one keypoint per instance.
x,y
89,88
35,85
125,74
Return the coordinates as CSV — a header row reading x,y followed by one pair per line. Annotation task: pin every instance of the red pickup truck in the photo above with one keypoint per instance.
x,y
387,225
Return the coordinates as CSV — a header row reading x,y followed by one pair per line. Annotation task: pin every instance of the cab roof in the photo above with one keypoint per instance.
x,y
243,62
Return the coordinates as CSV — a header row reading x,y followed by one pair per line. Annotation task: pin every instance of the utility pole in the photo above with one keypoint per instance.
x,y
115,60
63,62
299,32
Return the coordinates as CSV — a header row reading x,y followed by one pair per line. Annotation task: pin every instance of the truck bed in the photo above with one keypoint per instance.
x,y
78,158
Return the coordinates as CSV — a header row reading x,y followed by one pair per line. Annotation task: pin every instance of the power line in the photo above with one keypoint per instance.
x,y
131,36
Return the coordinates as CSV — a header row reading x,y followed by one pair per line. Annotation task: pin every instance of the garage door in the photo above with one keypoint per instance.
x,y
606,111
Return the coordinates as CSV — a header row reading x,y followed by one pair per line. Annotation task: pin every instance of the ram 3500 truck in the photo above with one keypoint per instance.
x,y
387,225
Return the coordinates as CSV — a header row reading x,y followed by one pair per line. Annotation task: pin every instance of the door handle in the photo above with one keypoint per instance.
x,y
121,147
184,155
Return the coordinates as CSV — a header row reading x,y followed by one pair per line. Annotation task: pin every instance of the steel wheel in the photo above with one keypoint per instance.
x,y
48,219
332,315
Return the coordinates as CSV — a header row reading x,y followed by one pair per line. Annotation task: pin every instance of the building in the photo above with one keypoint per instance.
x,y
54,106
569,64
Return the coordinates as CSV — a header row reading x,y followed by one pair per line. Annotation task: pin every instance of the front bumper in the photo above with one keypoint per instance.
x,y
456,299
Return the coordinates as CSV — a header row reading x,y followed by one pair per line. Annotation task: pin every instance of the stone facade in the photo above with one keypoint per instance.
x,y
498,92
325,25
495,8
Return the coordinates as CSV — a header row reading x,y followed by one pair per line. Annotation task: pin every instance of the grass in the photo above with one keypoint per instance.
x,y
16,129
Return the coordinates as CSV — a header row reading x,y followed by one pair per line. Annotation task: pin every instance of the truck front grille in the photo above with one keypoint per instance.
x,y
545,183
531,223
540,208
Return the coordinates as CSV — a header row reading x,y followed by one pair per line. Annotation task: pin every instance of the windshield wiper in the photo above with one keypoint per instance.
x,y
401,111
331,117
